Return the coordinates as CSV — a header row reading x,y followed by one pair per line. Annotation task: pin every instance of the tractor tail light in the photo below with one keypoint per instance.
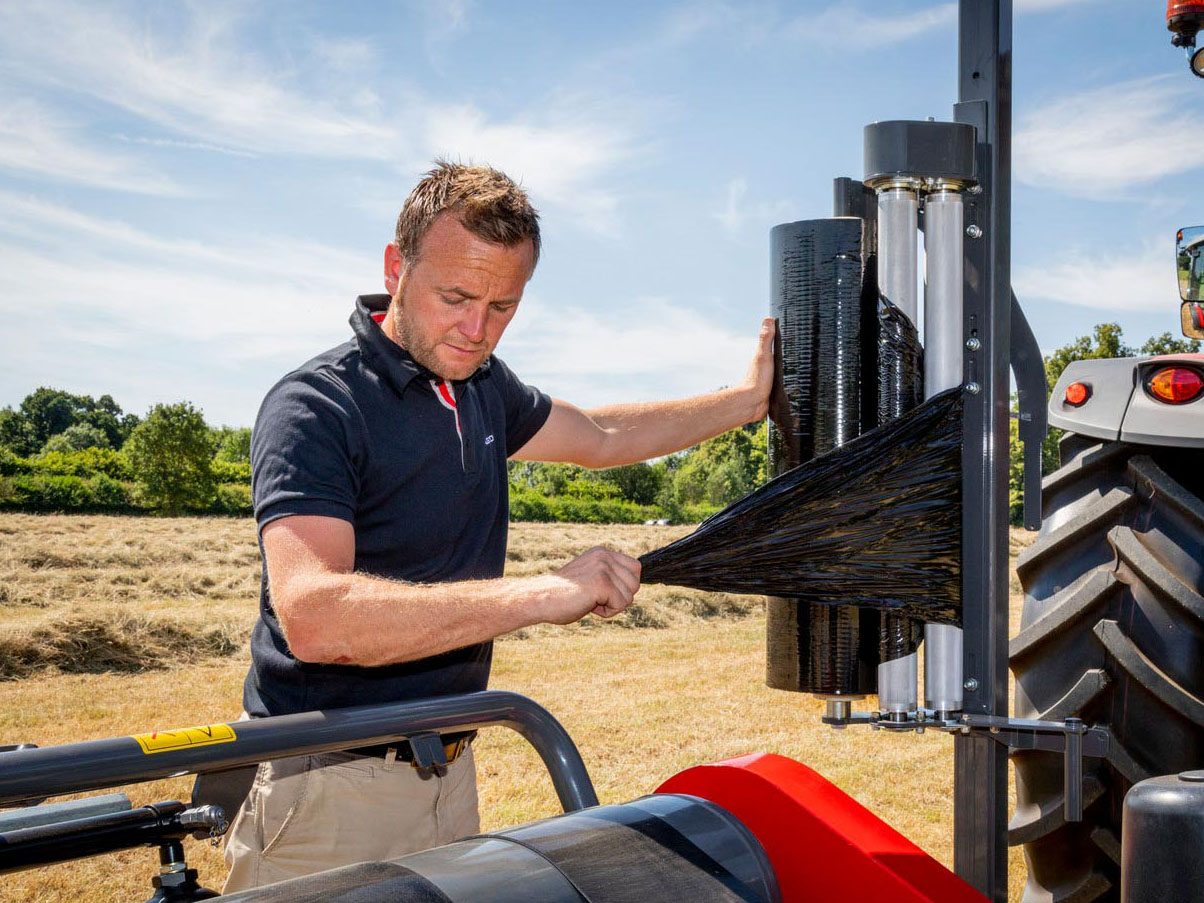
x,y
1175,385
1077,394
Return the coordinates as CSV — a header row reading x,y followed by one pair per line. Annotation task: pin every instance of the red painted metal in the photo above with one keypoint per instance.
x,y
822,843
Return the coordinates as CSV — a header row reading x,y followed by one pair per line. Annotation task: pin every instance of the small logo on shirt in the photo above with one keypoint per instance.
x,y
489,440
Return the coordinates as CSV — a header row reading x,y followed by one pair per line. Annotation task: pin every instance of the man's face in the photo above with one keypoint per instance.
x,y
451,306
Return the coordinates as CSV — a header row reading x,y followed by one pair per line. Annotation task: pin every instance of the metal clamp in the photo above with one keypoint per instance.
x,y
429,755
1071,737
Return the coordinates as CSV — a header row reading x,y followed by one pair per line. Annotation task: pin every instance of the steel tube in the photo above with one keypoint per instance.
x,y
95,764
898,268
944,225
26,848
898,245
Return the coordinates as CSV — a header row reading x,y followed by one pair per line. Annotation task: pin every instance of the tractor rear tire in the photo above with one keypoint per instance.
x,y
1112,633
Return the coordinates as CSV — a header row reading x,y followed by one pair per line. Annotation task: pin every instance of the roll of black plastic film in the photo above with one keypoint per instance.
x,y
816,296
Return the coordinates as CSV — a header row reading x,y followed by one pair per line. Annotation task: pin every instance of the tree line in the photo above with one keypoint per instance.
x,y
65,452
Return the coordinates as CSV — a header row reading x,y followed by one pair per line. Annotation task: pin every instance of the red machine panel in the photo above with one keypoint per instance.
x,y
823,844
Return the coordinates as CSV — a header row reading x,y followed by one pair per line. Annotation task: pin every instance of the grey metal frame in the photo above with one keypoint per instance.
x,y
95,764
980,764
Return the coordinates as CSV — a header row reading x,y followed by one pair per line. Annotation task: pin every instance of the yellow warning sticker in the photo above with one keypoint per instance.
x,y
185,737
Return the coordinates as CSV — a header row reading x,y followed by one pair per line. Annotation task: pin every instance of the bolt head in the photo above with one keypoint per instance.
x,y
970,683
973,344
973,231
973,388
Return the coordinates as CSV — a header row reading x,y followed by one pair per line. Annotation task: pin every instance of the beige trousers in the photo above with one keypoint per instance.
x,y
311,813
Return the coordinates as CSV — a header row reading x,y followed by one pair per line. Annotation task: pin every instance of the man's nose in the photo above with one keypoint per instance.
x,y
472,324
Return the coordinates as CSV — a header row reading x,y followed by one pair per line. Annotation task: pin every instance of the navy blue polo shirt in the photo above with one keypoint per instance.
x,y
417,466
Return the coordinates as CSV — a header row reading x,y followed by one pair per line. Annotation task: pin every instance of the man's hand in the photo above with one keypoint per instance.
x,y
758,382
601,581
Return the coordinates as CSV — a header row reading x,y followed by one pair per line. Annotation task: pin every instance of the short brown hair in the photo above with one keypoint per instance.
x,y
486,201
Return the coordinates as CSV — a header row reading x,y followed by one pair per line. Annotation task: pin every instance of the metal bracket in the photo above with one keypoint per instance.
x,y
1071,737
1029,370
429,754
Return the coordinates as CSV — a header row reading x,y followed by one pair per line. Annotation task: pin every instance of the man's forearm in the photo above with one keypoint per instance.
x,y
636,432
358,619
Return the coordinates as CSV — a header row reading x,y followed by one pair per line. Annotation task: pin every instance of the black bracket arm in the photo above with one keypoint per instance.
x,y
1028,367
1071,737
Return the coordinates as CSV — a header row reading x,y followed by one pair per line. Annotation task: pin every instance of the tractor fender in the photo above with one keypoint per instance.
x,y
1118,408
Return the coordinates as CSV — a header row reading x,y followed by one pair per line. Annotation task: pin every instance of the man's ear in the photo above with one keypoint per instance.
x,y
393,265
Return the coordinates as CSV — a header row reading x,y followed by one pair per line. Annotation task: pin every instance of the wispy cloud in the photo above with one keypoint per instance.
x,y
738,209
1099,142
192,80
198,86
1142,280
843,24
563,156
848,25
36,142
590,357
1040,6
263,298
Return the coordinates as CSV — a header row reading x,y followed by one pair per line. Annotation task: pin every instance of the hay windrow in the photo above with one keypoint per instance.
x,y
119,643
102,594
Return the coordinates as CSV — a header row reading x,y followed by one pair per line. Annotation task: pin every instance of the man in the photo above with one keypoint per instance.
x,y
380,492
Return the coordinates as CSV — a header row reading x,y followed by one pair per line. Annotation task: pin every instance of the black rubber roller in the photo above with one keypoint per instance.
x,y
660,847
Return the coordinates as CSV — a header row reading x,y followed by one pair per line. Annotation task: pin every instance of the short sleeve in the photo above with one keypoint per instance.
x,y
526,407
304,450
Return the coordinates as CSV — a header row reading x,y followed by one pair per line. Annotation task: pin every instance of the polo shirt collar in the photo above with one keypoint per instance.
x,y
381,353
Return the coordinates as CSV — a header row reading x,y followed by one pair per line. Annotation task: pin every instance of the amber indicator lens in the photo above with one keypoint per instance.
x,y
1077,394
1175,385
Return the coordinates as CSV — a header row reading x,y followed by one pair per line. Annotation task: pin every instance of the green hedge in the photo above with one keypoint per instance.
x,y
50,492
526,505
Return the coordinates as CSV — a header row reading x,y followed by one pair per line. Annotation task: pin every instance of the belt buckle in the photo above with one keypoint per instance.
x,y
454,749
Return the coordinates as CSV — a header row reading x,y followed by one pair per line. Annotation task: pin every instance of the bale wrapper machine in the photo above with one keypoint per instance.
x,y
760,828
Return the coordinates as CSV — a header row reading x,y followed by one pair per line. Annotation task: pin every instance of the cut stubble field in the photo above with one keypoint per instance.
x,y
115,625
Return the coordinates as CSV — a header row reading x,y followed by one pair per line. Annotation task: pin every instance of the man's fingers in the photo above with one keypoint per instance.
x,y
628,567
628,578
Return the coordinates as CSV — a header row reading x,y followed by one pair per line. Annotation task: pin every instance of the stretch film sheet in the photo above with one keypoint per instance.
x,y
876,522
900,389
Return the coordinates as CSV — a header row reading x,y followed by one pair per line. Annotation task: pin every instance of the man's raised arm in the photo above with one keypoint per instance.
x,y
332,615
625,433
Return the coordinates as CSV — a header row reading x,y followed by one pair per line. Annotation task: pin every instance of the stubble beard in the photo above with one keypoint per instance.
x,y
409,337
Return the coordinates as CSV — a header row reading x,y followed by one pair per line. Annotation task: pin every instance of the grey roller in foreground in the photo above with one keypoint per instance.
x,y
944,221
898,268
660,847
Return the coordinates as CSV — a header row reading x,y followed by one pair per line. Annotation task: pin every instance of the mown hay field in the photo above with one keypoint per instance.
x,y
116,625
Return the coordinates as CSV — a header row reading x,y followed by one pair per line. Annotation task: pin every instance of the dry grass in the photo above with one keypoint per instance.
x,y
100,594
140,579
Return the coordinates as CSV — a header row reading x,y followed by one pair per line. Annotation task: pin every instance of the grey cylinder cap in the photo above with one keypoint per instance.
x,y
911,149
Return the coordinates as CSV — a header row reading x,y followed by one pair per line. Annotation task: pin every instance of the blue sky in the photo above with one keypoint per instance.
x,y
191,195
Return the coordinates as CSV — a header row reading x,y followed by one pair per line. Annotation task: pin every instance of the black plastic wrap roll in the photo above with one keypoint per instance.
x,y
817,299
900,389
876,523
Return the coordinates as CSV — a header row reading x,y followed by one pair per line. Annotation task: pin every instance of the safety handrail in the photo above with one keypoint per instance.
x,y
94,764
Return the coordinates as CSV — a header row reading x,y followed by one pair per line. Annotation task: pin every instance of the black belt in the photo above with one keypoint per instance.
x,y
453,746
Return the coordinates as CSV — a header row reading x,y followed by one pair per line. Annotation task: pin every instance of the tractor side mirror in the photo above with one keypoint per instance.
x,y
1189,262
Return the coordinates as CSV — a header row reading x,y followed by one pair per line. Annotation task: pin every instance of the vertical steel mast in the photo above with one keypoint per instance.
x,y
980,764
